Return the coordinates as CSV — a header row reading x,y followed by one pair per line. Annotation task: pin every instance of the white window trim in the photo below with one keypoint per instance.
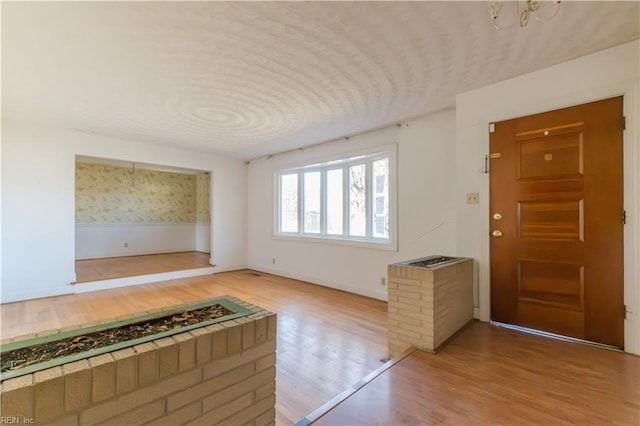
x,y
342,161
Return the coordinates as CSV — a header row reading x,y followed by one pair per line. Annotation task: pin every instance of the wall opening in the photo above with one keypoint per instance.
x,y
125,209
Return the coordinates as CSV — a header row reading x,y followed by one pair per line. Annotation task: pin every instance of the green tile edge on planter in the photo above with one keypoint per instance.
x,y
239,312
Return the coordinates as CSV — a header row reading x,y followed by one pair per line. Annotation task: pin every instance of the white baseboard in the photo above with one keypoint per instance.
x,y
380,295
218,269
141,279
115,283
146,279
37,294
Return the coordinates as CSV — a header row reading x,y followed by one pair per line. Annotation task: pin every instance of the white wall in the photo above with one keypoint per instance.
x,y
602,75
98,240
426,215
38,225
203,242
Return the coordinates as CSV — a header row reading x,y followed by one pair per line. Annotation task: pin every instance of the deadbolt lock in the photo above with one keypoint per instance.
x,y
497,216
497,233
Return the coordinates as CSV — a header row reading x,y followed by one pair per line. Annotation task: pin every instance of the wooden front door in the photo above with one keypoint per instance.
x,y
556,222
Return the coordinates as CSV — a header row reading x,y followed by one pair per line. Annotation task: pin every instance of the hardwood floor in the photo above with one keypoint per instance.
x,y
490,375
131,266
328,340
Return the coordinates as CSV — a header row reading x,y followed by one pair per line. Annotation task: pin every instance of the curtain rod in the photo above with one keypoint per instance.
x,y
346,138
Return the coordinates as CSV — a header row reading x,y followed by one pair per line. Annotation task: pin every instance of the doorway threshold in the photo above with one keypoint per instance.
x,y
554,336
140,279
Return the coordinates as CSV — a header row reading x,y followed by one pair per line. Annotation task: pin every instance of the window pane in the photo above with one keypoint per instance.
x,y
289,203
312,202
343,199
334,202
357,201
381,196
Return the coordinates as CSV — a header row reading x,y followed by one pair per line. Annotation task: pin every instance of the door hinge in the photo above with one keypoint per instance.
x,y
624,217
625,311
624,123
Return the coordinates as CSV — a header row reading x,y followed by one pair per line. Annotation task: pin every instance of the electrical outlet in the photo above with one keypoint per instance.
x,y
473,198
383,281
126,245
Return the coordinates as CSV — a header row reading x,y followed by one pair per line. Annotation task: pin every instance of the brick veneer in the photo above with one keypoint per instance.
x,y
426,306
222,373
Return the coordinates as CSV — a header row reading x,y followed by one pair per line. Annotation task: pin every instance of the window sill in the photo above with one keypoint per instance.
x,y
387,246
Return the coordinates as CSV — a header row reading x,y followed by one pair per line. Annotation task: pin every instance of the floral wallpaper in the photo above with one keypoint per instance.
x,y
109,194
202,198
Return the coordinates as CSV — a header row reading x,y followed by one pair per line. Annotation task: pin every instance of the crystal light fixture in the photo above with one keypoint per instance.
x,y
541,10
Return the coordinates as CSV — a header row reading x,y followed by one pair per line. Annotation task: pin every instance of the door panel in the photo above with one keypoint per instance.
x,y
551,220
551,157
553,284
557,186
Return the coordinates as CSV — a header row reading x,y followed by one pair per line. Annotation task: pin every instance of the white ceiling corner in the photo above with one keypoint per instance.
x,y
247,79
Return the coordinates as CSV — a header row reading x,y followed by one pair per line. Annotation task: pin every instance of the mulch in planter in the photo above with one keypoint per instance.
x,y
19,358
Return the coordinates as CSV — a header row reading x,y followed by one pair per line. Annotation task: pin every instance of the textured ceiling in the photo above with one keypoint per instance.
x,y
252,78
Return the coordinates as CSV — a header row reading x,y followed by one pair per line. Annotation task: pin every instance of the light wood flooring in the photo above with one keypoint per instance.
x,y
489,375
130,266
328,340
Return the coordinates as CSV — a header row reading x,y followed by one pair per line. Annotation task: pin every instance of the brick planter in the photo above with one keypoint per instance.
x,y
428,305
221,373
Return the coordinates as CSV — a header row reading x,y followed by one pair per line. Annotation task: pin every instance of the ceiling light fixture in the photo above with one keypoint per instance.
x,y
541,10
132,179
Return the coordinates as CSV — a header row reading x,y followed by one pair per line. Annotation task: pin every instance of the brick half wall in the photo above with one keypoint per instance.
x,y
222,373
426,306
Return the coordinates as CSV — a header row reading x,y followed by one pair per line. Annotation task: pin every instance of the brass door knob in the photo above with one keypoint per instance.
x,y
497,233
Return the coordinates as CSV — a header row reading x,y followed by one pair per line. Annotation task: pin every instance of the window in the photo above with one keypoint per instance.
x,y
335,219
311,202
347,199
380,171
289,203
358,200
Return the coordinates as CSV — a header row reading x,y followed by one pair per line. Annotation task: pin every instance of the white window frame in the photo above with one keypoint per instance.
x,y
343,162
